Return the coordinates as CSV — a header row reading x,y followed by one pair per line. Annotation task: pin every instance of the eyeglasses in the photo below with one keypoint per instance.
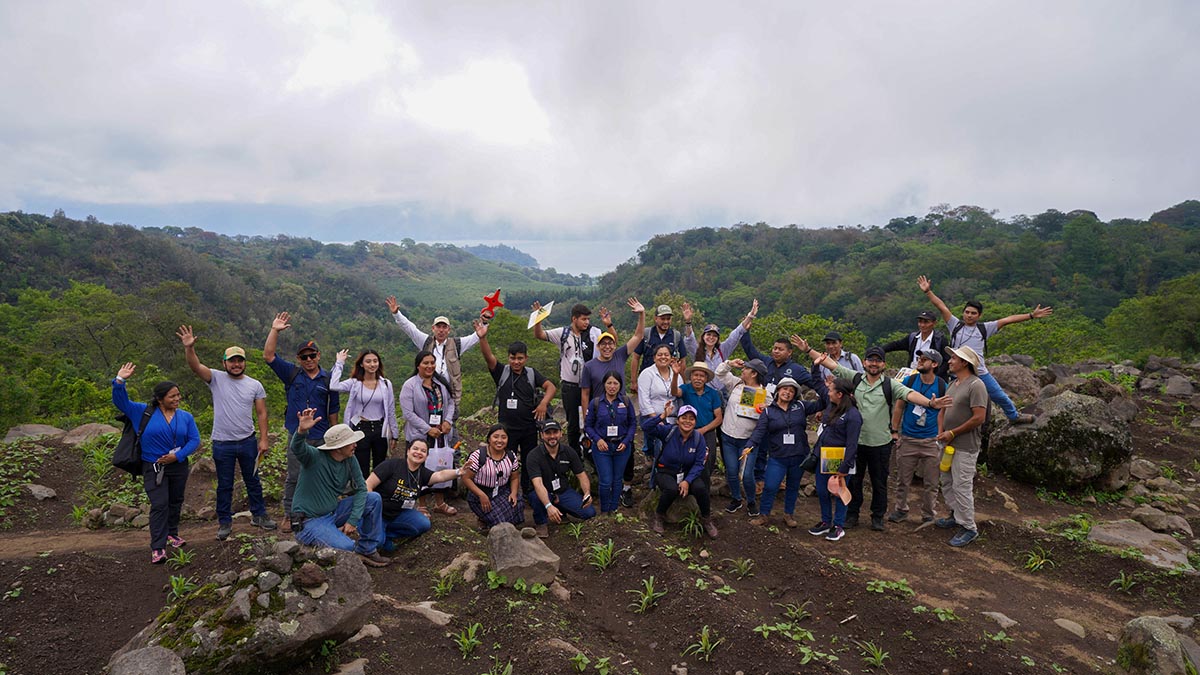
x,y
309,356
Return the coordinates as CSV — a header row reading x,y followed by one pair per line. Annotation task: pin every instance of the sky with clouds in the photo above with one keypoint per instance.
x,y
592,120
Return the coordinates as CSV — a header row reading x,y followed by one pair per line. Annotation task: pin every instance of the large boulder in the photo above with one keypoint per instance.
x,y
1150,646
84,433
517,555
251,630
1075,441
1160,521
1160,549
1020,383
32,431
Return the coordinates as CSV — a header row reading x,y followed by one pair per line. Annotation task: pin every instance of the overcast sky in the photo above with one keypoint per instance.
x,y
444,120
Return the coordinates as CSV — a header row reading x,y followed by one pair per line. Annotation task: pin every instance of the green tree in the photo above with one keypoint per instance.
x,y
1163,323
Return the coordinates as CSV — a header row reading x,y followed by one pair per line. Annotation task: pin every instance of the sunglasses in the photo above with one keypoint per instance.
x,y
309,356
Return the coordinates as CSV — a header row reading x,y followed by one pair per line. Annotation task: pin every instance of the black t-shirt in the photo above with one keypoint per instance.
x,y
398,485
562,467
517,388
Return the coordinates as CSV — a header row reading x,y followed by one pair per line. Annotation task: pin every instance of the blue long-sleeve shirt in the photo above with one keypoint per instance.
x,y
776,371
775,425
678,456
842,433
160,436
603,413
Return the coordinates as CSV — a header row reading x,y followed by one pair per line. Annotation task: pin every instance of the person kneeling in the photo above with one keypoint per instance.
x,y
550,467
679,468
399,482
319,517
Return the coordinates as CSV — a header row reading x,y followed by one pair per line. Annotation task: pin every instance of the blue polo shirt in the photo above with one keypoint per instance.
x,y
306,392
704,403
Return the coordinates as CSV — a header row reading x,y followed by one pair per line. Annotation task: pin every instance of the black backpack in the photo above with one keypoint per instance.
x,y
887,387
128,454
957,329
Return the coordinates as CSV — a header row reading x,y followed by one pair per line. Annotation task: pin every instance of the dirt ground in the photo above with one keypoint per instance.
x,y
82,594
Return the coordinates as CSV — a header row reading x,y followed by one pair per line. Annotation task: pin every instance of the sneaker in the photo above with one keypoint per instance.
x,y
789,520
897,516
819,529
877,523
627,498
264,521
752,509
835,534
734,505
926,519
1024,418
175,540
945,523
224,530
758,520
373,559
158,556
543,531
656,523
963,538
851,522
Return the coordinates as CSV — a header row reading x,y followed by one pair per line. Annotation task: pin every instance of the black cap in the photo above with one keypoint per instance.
x,y
757,366
833,336
550,425
931,354
875,351
927,315
307,345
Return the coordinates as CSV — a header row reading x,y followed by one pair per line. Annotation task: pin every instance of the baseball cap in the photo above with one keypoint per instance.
x,y
930,354
876,352
306,346
606,335
833,336
926,315
757,366
711,328
788,382
685,410
663,310
441,319
550,425
233,352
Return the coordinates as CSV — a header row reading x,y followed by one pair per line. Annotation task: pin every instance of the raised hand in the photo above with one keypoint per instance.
x,y
686,309
186,336
753,310
307,421
800,343
635,305
1040,312
481,328
536,306
393,306
282,322
342,355
678,366
737,363
126,371
605,315
923,283
668,409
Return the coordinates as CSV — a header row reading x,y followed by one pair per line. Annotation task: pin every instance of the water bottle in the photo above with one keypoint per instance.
x,y
947,458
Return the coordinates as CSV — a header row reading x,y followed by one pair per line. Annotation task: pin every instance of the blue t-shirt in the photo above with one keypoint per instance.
x,y
595,371
306,392
919,421
705,403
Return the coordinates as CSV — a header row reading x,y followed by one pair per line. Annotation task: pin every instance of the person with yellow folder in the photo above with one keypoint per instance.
x,y
838,440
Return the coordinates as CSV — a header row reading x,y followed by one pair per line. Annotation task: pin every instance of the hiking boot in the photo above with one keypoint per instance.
x,y
819,529
851,522
835,534
158,556
542,530
1024,418
758,520
963,537
224,530
877,523
734,505
175,540
387,546
752,508
897,516
789,520
656,522
627,498
264,521
709,528
945,523
373,559
287,526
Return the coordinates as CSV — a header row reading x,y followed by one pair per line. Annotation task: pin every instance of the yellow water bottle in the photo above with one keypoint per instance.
x,y
947,458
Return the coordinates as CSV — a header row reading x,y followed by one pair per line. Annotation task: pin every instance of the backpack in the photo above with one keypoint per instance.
x,y
128,454
941,384
651,342
982,332
887,387
328,386
505,375
585,338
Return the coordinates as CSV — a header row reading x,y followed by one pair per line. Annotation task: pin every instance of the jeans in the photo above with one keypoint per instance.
x,y
731,452
872,460
610,467
833,511
166,498
651,445
569,501
996,394
326,530
777,470
227,454
409,523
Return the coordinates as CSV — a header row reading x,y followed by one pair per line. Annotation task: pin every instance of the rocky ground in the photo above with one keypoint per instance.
x,y
1035,593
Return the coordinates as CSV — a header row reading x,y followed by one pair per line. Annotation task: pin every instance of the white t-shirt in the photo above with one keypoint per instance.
x,y
923,345
233,405
571,352
970,336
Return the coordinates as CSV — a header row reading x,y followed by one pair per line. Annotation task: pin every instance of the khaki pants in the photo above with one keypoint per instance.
x,y
958,489
917,456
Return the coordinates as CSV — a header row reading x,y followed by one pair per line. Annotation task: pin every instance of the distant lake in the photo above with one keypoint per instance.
x,y
574,256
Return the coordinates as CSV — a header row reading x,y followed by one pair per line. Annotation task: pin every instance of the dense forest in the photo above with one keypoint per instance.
x,y
79,297
502,253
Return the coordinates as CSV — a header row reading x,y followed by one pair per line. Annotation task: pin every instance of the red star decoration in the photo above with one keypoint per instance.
x,y
493,303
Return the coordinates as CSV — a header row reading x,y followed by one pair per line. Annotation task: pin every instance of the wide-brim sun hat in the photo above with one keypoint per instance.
x,y
966,354
699,365
339,436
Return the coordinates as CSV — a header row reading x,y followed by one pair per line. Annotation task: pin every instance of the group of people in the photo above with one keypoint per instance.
x,y
344,489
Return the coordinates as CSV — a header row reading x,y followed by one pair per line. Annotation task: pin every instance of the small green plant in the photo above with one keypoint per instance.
x,y
944,614
580,662
796,612
602,556
702,584
510,604
981,469
538,590
1167,471
1028,661
602,665
1000,637
920,609
78,513
1058,669
1123,583
442,586
1038,559
808,654
520,586
645,598
881,586
499,669
328,654
692,525
872,654
742,567
725,590
468,639
495,580
846,565
180,558
706,643
1074,527
908,635
766,630
681,552
13,593
1131,553
575,530
180,587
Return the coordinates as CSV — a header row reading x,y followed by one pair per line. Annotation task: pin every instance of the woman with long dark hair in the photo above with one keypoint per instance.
x,y
171,435
842,424
371,408
611,424
492,475
428,409
781,433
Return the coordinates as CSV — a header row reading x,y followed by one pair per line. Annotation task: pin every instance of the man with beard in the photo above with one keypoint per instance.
x,y
923,339
960,424
914,430
551,466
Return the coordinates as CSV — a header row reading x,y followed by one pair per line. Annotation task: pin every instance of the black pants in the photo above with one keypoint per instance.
x,y
872,460
572,398
373,448
166,498
521,442
668,492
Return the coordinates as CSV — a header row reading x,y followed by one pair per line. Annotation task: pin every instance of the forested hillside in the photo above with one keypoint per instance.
x,y
79,297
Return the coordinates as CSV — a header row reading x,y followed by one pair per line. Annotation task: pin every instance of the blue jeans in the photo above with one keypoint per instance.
x,y
777,470
326,530
610,469
997,394
568,501
409,523
833,511
651,445
731,452
244,453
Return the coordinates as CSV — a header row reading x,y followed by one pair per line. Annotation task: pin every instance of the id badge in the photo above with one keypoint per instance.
x,y
789,439
511,404
921,419
435,420
554,484
496,490
409,504
175,450
612,431
679,477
